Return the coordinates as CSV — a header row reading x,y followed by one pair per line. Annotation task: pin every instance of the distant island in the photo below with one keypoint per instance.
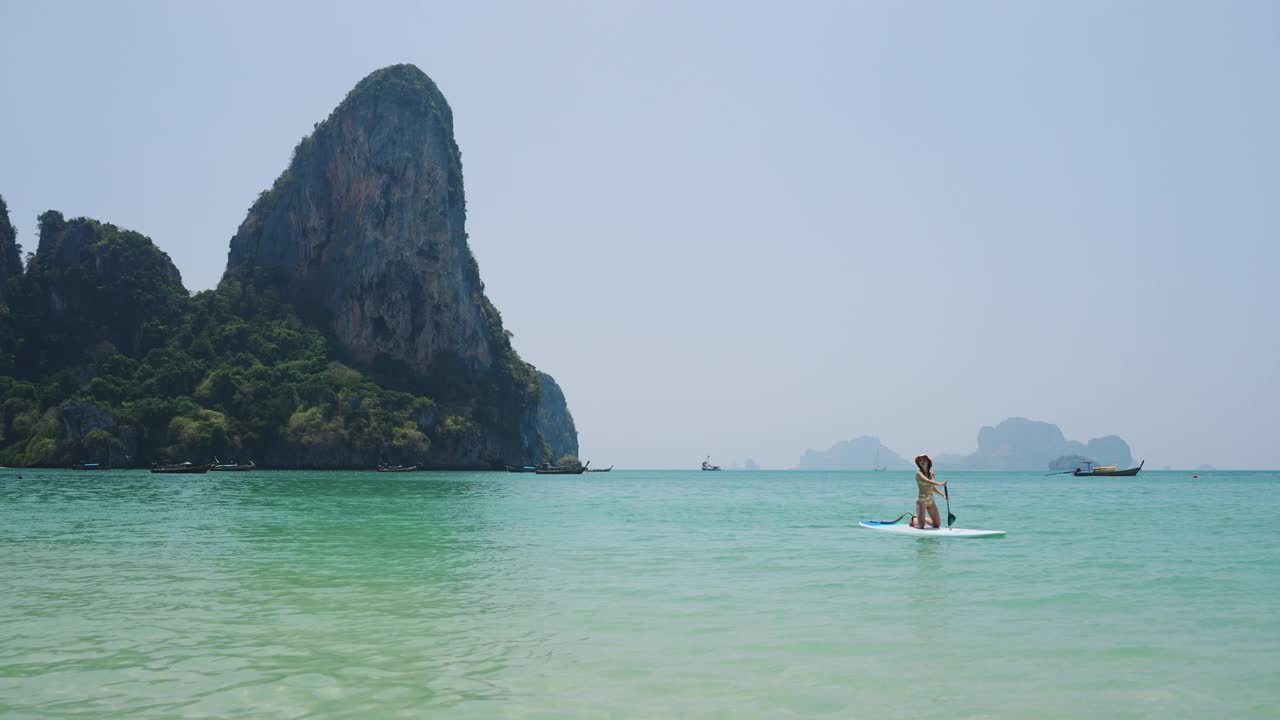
x,y
1014,444
350,327
860,453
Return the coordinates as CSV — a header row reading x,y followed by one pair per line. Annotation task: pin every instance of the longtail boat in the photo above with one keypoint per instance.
x,y
182,468
1106,471
232,466
562,469
397,468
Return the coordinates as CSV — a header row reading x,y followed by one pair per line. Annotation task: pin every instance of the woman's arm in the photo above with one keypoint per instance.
x,y
930,480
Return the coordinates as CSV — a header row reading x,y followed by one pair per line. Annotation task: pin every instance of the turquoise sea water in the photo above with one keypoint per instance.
x,y
634,594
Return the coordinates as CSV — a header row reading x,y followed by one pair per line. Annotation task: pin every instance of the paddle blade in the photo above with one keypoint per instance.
x,y
951,519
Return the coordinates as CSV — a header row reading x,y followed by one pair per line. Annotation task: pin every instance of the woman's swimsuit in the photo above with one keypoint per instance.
x,y
926,492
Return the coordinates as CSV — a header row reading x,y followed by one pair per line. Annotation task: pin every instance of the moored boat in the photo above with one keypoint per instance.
x,y
522,469
1106,471
601,469
397,468
706,465
90,466
182,468
232,466
562,469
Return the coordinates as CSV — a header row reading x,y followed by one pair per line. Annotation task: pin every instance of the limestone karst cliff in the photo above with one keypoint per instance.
x,y
350,327
366,230
368,222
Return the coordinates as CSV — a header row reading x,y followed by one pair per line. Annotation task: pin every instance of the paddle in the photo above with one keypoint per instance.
x,y
950,518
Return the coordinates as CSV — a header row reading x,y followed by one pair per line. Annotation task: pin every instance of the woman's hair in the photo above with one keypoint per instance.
x,y
929,461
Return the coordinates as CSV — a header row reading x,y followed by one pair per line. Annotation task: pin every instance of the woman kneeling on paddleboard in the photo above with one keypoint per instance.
x,y
927,485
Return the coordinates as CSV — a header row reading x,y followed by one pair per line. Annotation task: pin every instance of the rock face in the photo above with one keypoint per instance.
x,y
10,252
10,270
554,423
96,434
856,454
369,223
366,230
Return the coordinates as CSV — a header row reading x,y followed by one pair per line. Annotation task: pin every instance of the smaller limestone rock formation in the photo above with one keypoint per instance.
x,y
10,273
10,251
92,282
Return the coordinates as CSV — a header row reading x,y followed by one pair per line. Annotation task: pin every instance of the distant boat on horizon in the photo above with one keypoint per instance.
x,y
707,466
876,466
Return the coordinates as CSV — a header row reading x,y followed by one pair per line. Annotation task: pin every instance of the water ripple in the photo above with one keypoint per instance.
x,y
629,595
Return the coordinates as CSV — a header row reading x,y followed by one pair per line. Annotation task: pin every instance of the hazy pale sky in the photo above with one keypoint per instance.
x,y
749,229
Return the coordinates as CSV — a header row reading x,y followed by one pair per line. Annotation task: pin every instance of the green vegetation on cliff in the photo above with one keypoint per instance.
x,y
351,325
91,282
119,364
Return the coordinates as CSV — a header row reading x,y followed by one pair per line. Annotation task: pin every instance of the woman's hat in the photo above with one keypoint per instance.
x,y
924,457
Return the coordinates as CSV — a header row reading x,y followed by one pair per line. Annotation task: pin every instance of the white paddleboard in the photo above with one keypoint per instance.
x,y
905,529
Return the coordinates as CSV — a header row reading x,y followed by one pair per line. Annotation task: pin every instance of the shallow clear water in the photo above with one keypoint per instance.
x,y
634,594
